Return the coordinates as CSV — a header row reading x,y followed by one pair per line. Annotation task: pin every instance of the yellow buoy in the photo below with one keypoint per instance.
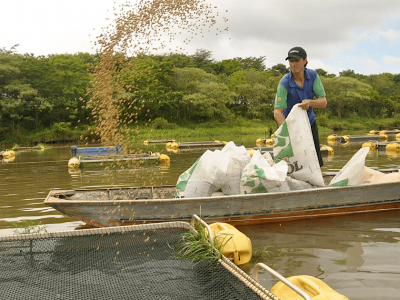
x,y
332,137
74,162
9,154
344,139
164,159
371,144
383,137
372,132
175,145
251,151
392,154
172,145
269,142
235,244
329,149
272,136
314,287
398,137
382,132
146,142
8,160
393,147
260,140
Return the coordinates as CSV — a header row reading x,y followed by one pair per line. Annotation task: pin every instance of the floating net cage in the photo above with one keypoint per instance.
x,y
127,262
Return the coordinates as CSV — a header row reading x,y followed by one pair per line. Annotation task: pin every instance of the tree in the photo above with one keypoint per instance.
x,y
255,92
278,70
348,95
322,72
202,59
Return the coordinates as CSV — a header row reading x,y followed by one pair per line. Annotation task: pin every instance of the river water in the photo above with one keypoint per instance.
x,y
356,255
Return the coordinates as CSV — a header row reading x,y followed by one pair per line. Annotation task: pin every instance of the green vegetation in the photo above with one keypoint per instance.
x,y
258,255
47,99
28,226
196,246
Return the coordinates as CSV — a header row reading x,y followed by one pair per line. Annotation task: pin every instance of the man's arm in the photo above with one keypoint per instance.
x,y
317,103
278,115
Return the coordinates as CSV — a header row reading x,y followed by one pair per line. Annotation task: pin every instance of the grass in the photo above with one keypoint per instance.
x,y
28,226
196,246
258,255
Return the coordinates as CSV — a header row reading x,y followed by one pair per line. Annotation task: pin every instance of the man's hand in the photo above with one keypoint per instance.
x,y
305,104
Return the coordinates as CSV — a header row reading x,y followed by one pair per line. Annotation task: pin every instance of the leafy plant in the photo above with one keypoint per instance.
x,y
28,226
160,123
196,246
267,250
15,147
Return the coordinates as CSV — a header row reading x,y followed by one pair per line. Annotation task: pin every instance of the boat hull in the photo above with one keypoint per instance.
x,y
127,206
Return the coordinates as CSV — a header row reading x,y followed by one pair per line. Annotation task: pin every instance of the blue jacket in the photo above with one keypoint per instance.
x,y
296,94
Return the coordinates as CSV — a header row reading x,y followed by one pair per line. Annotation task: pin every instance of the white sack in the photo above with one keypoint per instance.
x,y
374,176
296,185
269,158
352,172
204,177
259,177
239,157
294,140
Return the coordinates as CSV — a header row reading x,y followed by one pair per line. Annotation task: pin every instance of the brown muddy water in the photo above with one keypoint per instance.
x,y
356,255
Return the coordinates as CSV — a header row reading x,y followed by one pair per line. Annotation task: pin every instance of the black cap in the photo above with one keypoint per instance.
x,y
297,52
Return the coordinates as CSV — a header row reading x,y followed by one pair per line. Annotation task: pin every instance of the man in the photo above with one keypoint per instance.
x,y
302,86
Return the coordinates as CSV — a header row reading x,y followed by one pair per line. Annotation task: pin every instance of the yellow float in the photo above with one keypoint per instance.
x,y
328,148
371,144
332,138
314,287
269,142
172,145
260,141
164,159
74,163
394,147
251,151
383,137
236,246
345,139
398,137
8,154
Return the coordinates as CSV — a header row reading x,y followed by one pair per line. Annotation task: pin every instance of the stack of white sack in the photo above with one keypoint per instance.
x,y
294,141
262,175
213,171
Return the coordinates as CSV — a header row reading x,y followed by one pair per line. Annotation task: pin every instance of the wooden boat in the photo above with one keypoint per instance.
x,y
138,205
90,151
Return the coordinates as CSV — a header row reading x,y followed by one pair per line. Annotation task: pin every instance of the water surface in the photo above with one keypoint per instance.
x,y
357,255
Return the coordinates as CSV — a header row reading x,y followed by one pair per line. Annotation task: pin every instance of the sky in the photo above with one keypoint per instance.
x,y
361,35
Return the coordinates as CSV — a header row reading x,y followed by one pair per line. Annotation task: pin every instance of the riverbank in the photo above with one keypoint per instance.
x,y
207,131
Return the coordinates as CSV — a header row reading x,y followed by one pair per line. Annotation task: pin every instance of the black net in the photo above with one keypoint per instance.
x,y
119,265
